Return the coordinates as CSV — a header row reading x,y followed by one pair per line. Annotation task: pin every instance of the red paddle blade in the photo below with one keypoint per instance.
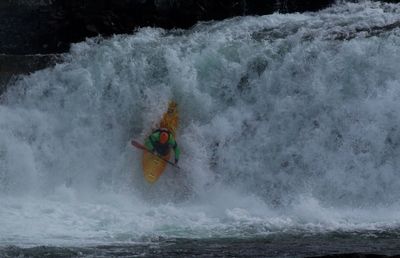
x,y
138,145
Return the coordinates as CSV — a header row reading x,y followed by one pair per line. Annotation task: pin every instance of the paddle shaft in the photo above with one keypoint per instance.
x,y
142,147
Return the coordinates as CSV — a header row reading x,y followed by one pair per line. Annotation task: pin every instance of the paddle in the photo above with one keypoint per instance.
x,y
142,147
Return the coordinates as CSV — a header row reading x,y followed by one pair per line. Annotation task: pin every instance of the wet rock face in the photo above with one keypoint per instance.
x,y
49,26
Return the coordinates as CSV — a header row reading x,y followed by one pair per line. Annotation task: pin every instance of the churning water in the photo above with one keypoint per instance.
x,y
288,123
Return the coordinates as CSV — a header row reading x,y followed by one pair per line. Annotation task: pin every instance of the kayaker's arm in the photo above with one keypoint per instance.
x,y
149,142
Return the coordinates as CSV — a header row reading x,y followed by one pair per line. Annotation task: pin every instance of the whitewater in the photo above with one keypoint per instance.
x,y
289,124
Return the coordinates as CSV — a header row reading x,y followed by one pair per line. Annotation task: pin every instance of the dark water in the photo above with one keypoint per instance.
x,y
355,244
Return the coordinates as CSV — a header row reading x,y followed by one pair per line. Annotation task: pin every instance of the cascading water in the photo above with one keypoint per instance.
x,y
288,123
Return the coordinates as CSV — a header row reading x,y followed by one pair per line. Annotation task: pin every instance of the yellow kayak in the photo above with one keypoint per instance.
x,y
154,166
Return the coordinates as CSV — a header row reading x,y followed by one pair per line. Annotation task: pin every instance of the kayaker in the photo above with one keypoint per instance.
x,y
161,141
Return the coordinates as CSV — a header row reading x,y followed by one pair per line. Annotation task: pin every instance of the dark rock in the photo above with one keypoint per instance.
x,y
49,26
13,65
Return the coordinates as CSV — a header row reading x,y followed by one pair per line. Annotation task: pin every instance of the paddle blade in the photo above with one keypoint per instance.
x,y
138,145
